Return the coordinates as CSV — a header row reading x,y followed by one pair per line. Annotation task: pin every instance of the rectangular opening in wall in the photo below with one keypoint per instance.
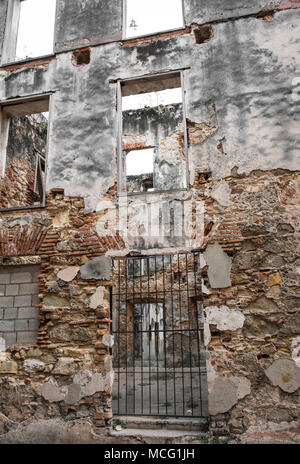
x,y
29,30
36,28
24,129
159,354
18,296
153,135
145,17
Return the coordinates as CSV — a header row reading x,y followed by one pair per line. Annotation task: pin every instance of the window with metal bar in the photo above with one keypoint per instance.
x,y
159,355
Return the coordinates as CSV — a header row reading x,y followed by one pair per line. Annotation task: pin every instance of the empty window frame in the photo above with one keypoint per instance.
x,y
152,134
29,29
146,17
23,148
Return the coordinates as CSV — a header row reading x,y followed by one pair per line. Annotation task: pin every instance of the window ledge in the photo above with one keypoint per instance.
x,y
21,208
27,60
133,194
155,34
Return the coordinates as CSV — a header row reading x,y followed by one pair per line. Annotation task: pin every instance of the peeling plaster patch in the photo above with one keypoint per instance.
x,y
243,386
285,373
96,300
51,392
96,269
219,266
221,193
224,318
108,340
68,274
84,384
296,350
222,397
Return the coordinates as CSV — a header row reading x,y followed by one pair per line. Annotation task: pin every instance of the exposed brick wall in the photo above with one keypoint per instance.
x,y
18,297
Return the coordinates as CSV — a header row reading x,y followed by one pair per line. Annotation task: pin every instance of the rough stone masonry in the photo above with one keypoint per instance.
x,y
240,62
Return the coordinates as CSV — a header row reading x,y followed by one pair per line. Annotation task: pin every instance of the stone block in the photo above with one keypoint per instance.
x,y
274,279
6,302
6,326
33,324
8,367
2,290
1,313
4,279
10,313
22,301
22,324
10,338
28,289
12,290
35,300
28,313
21,277
26,338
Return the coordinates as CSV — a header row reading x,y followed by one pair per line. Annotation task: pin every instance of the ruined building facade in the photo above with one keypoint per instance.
x,y
149,247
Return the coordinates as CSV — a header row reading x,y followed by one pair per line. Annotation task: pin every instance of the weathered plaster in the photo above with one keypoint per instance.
x,y
96,269
285,373
219,266
68,274
224,318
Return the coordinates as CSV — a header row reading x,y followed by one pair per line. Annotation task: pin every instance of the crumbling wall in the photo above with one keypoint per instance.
x,y
242,113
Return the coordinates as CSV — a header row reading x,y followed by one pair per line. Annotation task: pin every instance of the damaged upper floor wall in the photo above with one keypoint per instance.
x,y
241,100
83,23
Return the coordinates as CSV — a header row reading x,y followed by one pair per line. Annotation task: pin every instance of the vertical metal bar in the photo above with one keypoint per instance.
x,y
164,333
181,334
173,333
119,329
149,354
197,325
190,330
125,264
157,324
133,334
142,338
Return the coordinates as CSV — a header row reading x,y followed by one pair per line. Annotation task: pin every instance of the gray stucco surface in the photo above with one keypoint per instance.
x,y
249,83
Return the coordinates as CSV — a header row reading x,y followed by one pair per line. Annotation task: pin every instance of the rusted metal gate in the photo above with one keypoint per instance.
x,y
159,356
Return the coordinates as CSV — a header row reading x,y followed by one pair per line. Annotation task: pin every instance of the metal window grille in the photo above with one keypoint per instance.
x,y
159,356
